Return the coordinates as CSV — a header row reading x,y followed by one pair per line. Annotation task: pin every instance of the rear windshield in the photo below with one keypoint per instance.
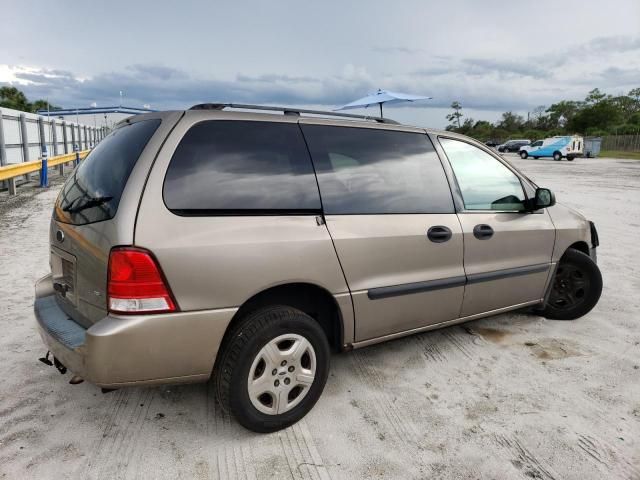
x,y
93,192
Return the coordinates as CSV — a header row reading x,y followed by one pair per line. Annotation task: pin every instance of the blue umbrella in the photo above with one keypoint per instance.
x,y
380,97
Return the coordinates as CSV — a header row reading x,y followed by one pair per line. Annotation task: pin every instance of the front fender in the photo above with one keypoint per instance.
x,y
571,227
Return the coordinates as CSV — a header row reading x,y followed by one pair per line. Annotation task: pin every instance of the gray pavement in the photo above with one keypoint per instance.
x,y
512,396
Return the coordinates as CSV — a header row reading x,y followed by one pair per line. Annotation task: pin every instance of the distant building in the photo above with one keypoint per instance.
x,y
94,116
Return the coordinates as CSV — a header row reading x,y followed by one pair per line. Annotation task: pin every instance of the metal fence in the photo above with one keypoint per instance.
x,y
24,136
621,143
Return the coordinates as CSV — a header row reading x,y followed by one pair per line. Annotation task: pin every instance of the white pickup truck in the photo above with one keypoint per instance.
x,y
567,146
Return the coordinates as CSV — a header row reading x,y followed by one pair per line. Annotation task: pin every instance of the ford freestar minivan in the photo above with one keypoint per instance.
x,y
228,242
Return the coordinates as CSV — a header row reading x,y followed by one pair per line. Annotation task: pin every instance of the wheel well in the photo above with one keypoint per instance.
x,y
581,246
313,300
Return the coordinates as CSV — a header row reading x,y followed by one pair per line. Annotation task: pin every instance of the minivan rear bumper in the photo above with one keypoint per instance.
x,y
132,350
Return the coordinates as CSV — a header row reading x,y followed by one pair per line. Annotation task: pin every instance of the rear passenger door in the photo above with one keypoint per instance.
x,y
389,210
507,249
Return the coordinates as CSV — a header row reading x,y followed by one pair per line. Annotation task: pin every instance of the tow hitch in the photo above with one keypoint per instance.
x,y
60,367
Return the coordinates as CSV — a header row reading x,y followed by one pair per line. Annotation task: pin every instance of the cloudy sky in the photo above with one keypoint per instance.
x,y
492,56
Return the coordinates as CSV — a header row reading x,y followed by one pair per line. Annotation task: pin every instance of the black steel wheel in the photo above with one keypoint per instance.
x,y
576,287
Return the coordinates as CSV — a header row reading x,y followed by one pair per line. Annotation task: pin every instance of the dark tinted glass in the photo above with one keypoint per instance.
x,y
93,192
369,171
237,165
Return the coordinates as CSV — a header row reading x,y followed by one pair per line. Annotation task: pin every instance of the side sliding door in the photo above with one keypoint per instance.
x,y
390,213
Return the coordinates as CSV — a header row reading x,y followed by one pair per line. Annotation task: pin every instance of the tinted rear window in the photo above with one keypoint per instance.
x,y
93,192
241,167
371,171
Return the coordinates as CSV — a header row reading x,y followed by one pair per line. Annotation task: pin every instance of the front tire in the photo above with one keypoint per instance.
x,y
273,368
524,155
576,287
557,156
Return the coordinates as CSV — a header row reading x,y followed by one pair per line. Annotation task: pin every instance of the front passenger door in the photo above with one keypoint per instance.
x,y
507,249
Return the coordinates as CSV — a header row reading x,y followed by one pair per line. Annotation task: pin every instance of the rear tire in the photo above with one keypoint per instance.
x,y
272,368
524,155
570,158
535,158
576,287
557,156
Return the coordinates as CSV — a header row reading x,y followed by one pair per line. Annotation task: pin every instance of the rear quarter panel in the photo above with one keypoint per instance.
x,y
91,244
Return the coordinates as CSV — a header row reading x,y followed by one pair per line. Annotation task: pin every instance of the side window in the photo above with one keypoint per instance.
x,y
486,183
374,171
241,165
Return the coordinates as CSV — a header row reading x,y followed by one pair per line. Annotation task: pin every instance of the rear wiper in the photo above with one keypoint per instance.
x,y
90,202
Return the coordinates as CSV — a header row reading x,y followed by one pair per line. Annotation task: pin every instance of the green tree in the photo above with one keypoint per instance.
x,y
595,96
455,117
562,112
42,105
11,97
599,111
511,122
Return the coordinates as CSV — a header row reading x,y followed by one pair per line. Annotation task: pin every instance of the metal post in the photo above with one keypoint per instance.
x,y
65,140
54,139
44,170
86,138
54,136
12,186
24,137
3,148
77,151
73,137
42,134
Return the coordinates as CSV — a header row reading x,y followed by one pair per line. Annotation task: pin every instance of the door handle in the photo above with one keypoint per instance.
x,y
482,232
439,234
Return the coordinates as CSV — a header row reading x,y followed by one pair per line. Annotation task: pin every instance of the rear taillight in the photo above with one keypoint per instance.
x,y
136,284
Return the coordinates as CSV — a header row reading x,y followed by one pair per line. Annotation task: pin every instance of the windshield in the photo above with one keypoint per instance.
x,y
93,192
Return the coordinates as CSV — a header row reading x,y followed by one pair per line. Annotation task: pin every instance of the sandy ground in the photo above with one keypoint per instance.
x,y
512,396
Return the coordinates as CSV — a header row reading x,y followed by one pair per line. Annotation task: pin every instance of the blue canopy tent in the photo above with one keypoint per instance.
x,y
380,97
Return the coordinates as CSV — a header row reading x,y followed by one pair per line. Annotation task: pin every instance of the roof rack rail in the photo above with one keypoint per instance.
x,y
288,111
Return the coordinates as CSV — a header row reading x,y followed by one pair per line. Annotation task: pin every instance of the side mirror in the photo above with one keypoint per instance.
x,y
544,198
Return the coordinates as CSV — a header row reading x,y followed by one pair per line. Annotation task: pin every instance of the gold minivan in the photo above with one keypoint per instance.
x,y
229,243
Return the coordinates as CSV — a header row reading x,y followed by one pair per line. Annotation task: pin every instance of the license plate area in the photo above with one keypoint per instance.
x,y
63,271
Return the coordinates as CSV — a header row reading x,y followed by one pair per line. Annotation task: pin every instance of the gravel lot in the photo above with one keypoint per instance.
x,y
512,396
